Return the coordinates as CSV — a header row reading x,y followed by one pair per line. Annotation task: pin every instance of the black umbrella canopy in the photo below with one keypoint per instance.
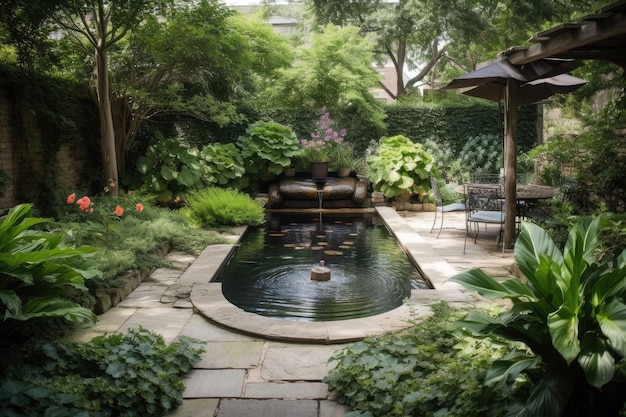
x,y
530,92
501,71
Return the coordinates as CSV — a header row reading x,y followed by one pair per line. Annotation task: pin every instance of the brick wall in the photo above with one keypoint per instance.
x,y
38,162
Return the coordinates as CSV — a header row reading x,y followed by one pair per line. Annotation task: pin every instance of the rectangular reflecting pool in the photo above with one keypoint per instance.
x,y
270,273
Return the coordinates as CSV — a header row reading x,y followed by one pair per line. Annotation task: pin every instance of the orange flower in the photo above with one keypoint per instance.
x,y
84,203
118,211
139,207
71,198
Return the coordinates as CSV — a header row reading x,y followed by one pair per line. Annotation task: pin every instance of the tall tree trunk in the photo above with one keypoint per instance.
x,y
107,132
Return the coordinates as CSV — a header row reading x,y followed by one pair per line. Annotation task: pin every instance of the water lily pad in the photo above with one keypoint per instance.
x,y
348,243
333,252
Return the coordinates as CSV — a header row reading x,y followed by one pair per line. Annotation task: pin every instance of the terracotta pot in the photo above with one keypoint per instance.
x,y
319,170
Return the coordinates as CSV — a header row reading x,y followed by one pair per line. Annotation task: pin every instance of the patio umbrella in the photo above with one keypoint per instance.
x,y
515,85
530,92
501,71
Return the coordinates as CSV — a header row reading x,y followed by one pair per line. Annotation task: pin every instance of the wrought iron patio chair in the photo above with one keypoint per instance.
x,y
440,207
483,205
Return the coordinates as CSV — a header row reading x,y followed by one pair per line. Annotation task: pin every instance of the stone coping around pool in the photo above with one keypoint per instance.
x,y
209,301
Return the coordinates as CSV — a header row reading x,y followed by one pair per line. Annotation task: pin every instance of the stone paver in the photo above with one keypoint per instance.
x,y
268,408
201,407
296,362
287,391
223,355
214,383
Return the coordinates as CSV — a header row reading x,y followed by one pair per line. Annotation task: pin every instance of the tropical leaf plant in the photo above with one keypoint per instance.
x,y
398,165
571,314
38,272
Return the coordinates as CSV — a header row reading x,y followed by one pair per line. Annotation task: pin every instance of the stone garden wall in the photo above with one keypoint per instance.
x,y
38,157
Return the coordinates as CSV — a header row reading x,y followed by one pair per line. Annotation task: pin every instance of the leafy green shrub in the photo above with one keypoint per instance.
x,y
571,315
38,272
118,375
224,166
216,206
268,148
399,165
170,169
426,370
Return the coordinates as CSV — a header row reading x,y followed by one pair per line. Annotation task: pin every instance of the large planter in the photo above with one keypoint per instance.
x,y
319,170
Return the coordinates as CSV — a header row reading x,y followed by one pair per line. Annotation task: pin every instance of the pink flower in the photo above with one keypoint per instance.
x,y
112,184
71,198
139,207
118,211
84,203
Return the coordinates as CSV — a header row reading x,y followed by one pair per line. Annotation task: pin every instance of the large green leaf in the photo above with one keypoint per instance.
x,y
11,302
546,399
596,361
612,284
563,325
144,164
509,368
612,320
56,307
534,250
483,284
168,173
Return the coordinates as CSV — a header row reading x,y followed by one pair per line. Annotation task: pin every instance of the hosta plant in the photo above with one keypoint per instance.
x,y
268,148
38,273
399,166
170,169
224,166
570,313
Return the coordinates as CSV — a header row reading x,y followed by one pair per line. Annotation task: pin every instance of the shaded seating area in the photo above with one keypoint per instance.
x,y
440,208
483,204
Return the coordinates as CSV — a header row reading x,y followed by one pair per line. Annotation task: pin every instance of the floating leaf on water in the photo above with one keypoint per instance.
x,y
345,247
285,231
322,243
277,234
320,236
299,247
353,234
333,252
348,243
316,247
286,257
338,221
289,245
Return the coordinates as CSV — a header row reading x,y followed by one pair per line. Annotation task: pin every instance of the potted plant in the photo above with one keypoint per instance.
x,y
324,146
399,167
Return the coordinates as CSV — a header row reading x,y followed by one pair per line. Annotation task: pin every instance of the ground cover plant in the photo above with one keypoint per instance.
x,y
426,370
135,374
571,315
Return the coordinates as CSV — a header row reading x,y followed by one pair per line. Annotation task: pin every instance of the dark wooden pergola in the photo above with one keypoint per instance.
x,y
601,35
